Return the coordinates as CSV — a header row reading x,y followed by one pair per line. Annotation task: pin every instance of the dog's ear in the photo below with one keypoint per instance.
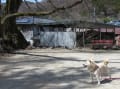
x,y
90,61
92,58
106,59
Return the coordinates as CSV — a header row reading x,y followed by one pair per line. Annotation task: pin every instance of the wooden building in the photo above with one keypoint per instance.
x,y
69,34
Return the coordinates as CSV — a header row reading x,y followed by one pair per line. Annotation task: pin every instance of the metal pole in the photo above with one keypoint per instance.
x,y
94,14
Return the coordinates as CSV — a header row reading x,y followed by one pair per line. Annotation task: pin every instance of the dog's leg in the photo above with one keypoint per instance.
x,y
91,77
108,72
97,75
100,75
98,78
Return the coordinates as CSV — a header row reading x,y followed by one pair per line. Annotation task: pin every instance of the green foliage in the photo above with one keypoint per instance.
x,y
104,5
106,19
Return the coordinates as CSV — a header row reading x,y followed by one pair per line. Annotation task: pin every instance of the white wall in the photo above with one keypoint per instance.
x,y
55,39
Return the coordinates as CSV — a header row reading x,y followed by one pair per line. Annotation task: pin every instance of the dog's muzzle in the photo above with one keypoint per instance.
x,y
84,65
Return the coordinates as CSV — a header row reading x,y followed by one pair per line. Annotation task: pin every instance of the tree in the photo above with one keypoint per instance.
x,y
105,5
13,39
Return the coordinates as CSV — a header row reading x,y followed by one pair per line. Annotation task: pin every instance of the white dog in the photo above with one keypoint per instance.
x,y
98,69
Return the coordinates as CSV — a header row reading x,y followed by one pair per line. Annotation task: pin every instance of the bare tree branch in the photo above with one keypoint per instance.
x,y
40,13
52,4
36,1
27,5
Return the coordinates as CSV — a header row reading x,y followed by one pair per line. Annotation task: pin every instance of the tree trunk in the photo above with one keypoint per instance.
x,y
13,39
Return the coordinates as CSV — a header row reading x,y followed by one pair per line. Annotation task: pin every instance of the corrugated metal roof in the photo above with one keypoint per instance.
x,y
68,23
33,20
26,20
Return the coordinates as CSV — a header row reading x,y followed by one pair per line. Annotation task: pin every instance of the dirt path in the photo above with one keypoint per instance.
x,y
54,69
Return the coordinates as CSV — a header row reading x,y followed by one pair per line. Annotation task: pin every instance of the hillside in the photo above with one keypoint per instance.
x,y
84,11
78,12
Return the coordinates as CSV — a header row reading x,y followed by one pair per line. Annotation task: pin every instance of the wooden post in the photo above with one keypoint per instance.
x,y
83,38
114,36
0,19
100,33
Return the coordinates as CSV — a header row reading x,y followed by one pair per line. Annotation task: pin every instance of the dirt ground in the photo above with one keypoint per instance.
x,y
55,69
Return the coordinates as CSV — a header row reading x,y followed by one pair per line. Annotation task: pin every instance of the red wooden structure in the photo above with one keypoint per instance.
x,y
102,43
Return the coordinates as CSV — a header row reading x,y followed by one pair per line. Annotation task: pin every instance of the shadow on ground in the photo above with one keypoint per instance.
x,y
32,73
